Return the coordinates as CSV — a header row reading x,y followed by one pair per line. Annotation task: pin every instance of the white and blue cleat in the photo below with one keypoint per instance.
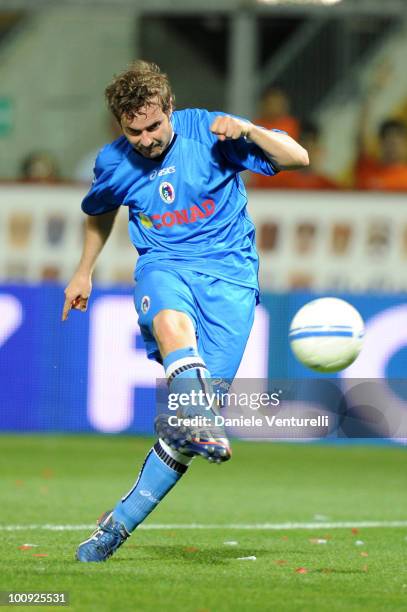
x,y
210,443
104,541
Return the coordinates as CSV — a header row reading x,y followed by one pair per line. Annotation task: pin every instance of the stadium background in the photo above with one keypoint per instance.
x,y
91,373
333,60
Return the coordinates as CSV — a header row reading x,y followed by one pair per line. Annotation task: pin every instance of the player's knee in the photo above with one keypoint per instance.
x,y
171,325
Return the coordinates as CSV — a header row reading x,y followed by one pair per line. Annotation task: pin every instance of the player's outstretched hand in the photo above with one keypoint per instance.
x,y
230,128
77,294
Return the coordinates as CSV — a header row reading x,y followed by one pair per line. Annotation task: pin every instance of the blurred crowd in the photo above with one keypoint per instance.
x,y
380,159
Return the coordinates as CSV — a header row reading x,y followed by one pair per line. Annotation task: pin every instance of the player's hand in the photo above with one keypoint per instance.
x,y
230,128
77,294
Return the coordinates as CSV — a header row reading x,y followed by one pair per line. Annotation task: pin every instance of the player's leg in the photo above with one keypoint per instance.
x,y
185,370
187,377
163,466
162,469
223,318
168,323
173,330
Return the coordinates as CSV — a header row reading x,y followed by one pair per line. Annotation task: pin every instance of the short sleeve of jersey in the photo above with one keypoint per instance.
x,y
241,154
101,198
248,156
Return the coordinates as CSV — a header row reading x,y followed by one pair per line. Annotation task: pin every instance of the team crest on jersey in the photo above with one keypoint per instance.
x,y
167,192
145,304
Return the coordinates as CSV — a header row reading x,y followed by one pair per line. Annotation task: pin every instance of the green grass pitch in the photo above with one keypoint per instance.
x,y
71,480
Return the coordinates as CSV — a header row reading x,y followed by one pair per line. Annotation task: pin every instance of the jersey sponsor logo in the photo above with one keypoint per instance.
x,y
162,172
167,192
145,304
146,221
185,216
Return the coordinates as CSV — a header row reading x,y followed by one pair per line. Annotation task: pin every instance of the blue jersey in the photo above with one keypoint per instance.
x,y
187,208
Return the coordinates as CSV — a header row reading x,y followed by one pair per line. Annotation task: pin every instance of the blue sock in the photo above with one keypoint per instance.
x,y
186,372
162,469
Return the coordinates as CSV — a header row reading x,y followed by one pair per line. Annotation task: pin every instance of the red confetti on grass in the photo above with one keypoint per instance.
x,y
301,570
355,530
40,555
48,473
280,561
24,547
191,549
285,538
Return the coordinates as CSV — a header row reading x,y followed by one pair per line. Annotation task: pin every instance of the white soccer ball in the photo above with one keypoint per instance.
x,y
326,334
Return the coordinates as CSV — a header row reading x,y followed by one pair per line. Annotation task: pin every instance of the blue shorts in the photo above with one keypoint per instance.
x,y
222,313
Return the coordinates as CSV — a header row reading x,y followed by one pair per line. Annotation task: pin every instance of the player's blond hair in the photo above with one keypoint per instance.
x,y
141,85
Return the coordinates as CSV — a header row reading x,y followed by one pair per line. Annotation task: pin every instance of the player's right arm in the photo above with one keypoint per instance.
x,y
101,206
97,231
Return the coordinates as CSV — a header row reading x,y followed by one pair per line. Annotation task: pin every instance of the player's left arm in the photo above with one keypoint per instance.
x,y
282,150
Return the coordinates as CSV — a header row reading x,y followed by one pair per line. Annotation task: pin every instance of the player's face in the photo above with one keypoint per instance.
x,y
149,132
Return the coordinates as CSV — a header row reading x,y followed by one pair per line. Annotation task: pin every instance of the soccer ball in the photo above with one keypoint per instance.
x,y
326,334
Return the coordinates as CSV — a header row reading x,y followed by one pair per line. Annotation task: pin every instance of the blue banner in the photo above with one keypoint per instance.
x,y
90,373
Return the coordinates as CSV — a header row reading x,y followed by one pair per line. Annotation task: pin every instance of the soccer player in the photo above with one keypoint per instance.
x,y
196,276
